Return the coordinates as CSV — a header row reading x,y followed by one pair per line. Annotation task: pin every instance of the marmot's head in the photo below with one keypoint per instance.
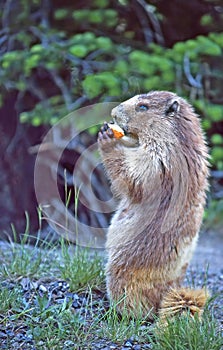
x,y
159,116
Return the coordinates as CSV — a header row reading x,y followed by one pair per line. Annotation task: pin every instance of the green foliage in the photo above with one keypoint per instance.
x,y
197,48
107,16
61,13
94,85
93,54
213,214
217,139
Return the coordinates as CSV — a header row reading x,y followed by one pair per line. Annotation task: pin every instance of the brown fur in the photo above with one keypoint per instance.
x,y
160,178
183,300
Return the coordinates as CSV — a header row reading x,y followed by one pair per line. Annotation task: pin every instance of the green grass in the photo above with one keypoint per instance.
x,y
185,333
23,260
120,328
53,325
80,270
10,301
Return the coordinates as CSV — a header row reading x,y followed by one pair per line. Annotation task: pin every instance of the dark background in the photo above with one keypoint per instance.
x,y
57,56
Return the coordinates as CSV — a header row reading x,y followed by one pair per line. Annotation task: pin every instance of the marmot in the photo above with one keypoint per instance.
x,y
159,171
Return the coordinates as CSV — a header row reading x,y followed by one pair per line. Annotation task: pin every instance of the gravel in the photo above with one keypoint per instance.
x,y
58,291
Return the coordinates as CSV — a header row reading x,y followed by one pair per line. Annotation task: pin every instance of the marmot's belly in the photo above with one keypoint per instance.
x,y
141,268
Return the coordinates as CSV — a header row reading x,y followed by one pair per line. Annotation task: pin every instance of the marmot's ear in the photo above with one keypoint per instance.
x,y
173,108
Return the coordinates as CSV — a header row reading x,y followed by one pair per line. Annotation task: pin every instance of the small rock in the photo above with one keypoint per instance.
x,y
60,300
10,333
59,294
137,347
3,335
75,304
42,288
40,343
65,286
16,345
25,283
128,343
68,343
69,296
147,346
76,296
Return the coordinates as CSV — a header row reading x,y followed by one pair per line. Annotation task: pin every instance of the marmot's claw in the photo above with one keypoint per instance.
x,y
105,133
104,127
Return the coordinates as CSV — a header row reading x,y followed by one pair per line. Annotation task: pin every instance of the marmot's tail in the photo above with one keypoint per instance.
x,y
183,300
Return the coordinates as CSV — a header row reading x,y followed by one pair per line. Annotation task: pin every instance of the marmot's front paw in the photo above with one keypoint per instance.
x,y
106,137
105,132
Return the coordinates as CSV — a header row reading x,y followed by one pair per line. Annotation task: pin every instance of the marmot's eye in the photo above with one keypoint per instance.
x,y
142,108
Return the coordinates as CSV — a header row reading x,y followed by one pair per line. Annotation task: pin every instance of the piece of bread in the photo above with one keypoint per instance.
x,y
118,132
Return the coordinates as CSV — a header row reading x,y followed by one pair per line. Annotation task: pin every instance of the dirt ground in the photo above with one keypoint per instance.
x,y
209,252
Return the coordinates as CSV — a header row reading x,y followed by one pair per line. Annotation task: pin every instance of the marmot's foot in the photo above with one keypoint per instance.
x,y
183,300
